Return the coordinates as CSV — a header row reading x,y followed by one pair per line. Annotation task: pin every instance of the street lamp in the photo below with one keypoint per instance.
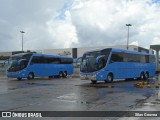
x,y
22,38
128,25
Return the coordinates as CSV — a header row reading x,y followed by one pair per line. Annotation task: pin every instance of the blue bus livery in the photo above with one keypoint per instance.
x,y
111,63
30,65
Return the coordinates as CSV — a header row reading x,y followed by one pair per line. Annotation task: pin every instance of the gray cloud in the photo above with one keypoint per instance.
x,y
52,24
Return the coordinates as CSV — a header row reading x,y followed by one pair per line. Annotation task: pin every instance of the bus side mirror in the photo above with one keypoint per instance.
x,y
100,61
99,58
6,62
78,60
19,62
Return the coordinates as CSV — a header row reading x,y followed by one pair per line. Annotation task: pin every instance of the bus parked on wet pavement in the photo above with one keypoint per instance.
x,y
112,64
30,65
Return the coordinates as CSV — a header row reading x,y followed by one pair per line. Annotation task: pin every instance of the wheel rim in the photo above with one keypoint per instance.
x,y
60,74
65,74
109,78
30,76
146,76
142,76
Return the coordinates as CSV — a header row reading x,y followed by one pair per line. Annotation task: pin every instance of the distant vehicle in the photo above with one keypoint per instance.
x,y
30,65
112,64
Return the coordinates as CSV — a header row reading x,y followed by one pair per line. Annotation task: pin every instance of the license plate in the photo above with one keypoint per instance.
x,y
86,77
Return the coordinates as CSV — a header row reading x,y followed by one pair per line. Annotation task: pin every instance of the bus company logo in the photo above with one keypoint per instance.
x,y
6,114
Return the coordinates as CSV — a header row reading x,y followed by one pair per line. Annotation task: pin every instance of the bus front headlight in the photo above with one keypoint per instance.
x,y
94,77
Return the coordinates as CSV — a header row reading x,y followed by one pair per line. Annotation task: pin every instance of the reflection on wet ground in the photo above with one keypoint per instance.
x,y
76,94
24,85
148,89
145,88
128,86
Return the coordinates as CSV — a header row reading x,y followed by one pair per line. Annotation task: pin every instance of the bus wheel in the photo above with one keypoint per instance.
x,y
19,78
142,76
60,74
110,77
146,76
65,74
30,76
50,76
93,81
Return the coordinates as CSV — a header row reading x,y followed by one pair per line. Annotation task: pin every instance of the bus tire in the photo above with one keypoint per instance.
x,y
110,77
50,76
65,74
60,74
30,76
142,76
19,78
93,81
146,76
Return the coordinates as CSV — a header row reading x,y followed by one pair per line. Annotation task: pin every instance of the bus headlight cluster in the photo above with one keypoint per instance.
x,y
94,76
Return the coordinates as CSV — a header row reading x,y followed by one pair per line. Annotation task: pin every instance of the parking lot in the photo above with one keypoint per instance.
x,y
73,94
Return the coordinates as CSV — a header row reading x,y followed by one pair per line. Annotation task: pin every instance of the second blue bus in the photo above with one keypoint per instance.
x,y
112,64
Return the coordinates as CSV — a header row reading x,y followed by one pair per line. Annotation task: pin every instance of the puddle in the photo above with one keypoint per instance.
x,y
72,98
149,104
35,97
12,88
25,85
68,98
126,87
39,84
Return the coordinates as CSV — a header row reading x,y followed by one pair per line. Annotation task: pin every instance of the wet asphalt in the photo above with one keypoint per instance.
x,y
73,94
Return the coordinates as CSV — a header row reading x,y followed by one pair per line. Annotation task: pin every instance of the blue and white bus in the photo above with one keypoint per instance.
x,y
30,65
112,64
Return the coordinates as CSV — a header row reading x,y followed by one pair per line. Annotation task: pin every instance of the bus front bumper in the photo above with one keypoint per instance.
x,y
88,77
12,75
17,74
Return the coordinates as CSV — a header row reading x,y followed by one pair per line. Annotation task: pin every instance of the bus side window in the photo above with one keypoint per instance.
x,y
34,60
66,61
116,57
152,59
147,58
132,57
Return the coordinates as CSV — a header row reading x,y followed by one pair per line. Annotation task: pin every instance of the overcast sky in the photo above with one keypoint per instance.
x,y
50,24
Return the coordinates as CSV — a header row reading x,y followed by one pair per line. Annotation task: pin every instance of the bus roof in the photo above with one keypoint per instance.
x,y
50,55
40,54
20,54
129,51
120,50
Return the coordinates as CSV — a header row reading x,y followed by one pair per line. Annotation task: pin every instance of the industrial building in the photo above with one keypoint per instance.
x,y
78,52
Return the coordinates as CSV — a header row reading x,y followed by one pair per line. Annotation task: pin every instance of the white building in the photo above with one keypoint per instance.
x,y
78,52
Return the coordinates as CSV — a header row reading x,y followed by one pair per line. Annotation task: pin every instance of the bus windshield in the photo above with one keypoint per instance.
x,y
88,63
18,62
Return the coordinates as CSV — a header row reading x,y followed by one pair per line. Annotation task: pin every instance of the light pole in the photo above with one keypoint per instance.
x,y
22,38
128,25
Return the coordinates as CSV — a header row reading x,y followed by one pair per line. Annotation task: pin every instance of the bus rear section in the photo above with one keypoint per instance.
x,y
114,64
39,65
